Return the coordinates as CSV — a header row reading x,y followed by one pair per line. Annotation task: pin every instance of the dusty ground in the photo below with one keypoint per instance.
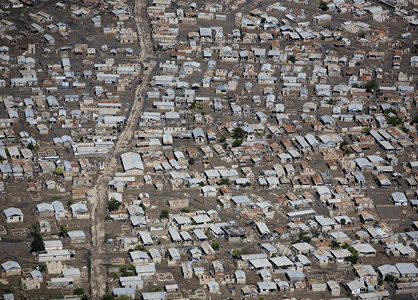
x,y
98,276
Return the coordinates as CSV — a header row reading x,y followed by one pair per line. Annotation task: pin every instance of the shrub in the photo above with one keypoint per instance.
x,y
79,291
323,6
237,143
113,204
164,214
215,246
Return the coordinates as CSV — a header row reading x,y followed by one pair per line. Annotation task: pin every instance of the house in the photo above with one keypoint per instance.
x,y
209,191
173,256
146,271
53,245
399,198
198,135
365,249
79,209
71,273
59,211
240,277
213,287
388,270
357,286
334,288
146,238
407,270
132,163
81,181
262,229
54,255
134,282
56,283
266,288
139,258
76,236
130,292
13,215
45,210
295,276
281,262
11,268
154,296
326,224
302,248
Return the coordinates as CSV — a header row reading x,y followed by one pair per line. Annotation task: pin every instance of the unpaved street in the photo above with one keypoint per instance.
x,y
98,275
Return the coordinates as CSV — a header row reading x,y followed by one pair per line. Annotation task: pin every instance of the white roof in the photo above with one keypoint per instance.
x,y
131,160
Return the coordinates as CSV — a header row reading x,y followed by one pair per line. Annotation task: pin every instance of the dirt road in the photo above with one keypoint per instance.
x,y
98,274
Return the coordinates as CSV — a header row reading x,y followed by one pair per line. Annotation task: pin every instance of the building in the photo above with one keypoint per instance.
x,y
11,268
13,215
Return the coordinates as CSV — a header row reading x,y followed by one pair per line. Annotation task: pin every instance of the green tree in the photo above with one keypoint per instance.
x,y
222,139
225,145
142,205
303,237
347,152
238,133
70,202
343,222
41,268
354,257
79,291
85,297
37,243
355,85
362,35
323,6
140,248
371,86
63,231
124,272
33,147
394,120
343,144
224,181
113,204
164,214
291,59
191,161
414,49
389,278
335,245
237,143
215,246
108,297
236,253
332,101
59,171
367,130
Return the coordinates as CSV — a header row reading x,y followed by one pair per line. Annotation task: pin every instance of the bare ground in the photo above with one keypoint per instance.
x,y
98,277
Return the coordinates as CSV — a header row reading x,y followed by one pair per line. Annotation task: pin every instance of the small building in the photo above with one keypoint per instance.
x,y
13,215
76,236
130,292
11,268
213,287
